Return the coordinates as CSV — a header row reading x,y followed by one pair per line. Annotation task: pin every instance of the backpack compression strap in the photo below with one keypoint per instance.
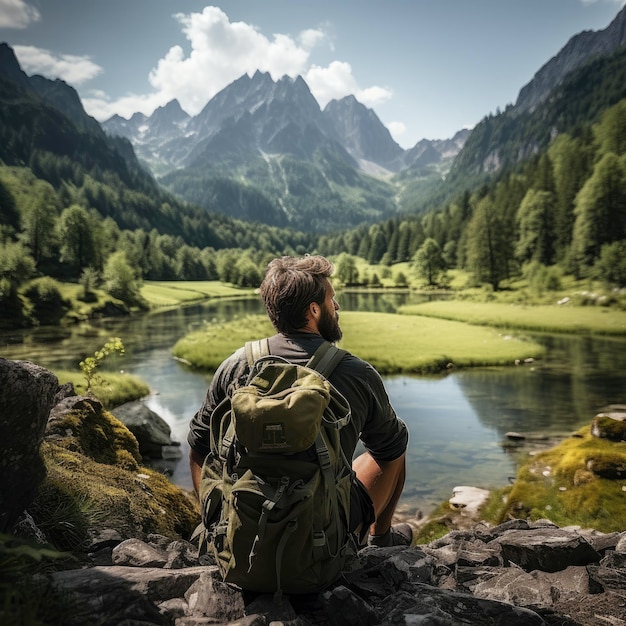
x,y
326,358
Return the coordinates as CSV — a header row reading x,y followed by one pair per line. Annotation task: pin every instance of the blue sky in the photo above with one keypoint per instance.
x,y
427,67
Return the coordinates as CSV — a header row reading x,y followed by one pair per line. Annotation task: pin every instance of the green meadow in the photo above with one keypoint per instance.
x,y
392,343
544,318
173,292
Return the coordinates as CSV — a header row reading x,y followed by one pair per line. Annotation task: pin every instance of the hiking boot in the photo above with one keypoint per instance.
x,y
397,535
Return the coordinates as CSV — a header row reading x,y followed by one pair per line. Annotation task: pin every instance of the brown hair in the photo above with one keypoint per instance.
x,y
290,285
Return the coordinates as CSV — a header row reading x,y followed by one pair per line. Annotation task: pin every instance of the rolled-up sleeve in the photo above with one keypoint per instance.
x,y
226,375
385,436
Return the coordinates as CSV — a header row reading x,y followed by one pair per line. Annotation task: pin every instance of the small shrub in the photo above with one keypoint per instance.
x,y
47,302
89,366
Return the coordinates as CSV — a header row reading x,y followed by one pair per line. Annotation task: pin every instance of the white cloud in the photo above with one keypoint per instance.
x,y
397,130
17,14
221,51
332,82
98,105
71,68
373,96
336,81
312,37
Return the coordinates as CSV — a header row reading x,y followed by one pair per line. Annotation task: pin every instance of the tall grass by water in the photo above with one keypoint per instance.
x,y
392,343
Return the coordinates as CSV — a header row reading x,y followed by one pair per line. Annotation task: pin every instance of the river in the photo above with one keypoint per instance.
x,y
457,421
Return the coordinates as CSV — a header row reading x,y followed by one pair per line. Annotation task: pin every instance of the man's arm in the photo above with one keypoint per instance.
x,y
384,481
195,465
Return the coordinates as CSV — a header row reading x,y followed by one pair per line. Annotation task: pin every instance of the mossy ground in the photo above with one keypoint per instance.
x,y
95,480
566,485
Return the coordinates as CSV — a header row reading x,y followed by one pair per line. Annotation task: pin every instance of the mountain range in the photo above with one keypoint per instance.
x,y
301,166
262,150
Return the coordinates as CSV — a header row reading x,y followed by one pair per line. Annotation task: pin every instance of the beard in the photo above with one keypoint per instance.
x,y
328,326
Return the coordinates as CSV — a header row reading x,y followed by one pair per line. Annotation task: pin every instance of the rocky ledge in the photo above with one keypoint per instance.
x,y
515,573
518,572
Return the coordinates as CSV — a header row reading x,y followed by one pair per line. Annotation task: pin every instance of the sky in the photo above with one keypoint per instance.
x,y
428,68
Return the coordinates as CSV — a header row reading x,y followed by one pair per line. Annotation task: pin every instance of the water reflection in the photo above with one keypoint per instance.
x,y
558,394
449,445
456,422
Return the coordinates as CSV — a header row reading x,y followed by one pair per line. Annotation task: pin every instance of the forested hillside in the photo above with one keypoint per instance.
x,y
561,211
76,205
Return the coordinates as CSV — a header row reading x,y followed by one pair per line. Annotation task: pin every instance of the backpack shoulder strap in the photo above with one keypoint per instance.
x,y
326,358
256,349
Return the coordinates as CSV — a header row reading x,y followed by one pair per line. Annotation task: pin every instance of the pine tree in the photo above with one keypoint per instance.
x,y
600,211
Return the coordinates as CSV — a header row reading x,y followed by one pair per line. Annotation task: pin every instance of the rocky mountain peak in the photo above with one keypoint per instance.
x,y
168,119
363,134
577,52
10,67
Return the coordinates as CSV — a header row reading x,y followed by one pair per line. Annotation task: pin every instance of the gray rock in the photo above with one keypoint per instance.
x,y
210,597
26,396
399,585
546,549
151,431
621,544
137,553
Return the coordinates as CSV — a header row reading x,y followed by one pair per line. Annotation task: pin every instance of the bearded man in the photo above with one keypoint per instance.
x,y
300,302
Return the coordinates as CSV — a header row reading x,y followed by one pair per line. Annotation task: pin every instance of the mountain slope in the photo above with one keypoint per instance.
x,y
363,134
502,141
89,168
579,50
262,150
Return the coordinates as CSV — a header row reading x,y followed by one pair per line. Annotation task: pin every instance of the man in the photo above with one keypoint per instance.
x,y
300,302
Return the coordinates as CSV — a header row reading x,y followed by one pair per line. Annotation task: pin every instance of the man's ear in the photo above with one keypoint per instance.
x,y
315,310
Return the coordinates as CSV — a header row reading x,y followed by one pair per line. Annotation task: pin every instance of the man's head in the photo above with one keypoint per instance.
x,y
298,296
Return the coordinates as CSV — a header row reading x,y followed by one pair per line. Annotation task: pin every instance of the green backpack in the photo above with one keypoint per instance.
x,y
275,489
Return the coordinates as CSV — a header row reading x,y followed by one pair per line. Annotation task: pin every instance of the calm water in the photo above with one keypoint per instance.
x,y
457,422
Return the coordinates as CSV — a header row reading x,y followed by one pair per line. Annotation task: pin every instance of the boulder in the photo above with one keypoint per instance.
x,y
610,423
545,549
152,432
27,394
469,499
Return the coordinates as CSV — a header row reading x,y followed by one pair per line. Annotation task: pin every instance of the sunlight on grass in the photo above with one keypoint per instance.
x,y
112,388
392,343
545,318
170,293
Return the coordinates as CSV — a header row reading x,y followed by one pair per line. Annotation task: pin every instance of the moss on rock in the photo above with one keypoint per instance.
x,y
570,484
95,481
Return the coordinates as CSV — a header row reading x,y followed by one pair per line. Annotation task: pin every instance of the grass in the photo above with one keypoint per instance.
x,y
206,348
112,389
171,293
558,484
392,343
544,318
